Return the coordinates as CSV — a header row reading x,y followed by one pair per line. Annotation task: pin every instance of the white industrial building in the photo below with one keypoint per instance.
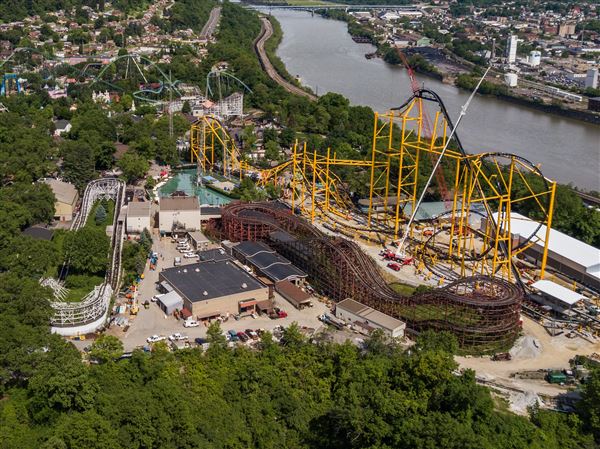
x,y
179,213
366,319
567,255
511,49
138,217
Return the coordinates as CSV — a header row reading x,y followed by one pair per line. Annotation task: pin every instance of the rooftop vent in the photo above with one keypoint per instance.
x,y
185,270
244,285
197,270
205,293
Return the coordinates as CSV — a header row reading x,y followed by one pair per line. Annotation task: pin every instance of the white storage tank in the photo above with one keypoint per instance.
x,y
535,58
511,79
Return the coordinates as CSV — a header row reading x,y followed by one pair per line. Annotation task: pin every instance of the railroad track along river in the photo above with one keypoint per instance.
x,y
265,33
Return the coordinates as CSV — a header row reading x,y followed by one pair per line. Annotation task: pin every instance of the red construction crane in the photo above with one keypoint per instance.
x,y
439,175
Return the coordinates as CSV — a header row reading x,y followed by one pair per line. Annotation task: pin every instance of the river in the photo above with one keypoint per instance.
x,y
323,55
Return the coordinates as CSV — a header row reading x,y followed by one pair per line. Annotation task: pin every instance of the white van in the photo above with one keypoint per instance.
x,y
177,261
191,323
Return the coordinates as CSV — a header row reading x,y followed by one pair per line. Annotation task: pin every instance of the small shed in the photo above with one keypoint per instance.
x,y
169,302
296,296
555,295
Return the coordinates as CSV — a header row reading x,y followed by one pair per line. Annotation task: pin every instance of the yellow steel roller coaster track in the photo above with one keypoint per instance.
x,y
497,182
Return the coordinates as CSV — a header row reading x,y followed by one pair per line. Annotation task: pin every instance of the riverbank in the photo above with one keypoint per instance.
x,y
422,66
260,46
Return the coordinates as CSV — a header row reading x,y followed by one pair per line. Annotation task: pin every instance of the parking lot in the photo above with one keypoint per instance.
x,y
153,321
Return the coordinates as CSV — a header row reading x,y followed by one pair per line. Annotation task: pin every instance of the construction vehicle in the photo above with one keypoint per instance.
x,y
501,356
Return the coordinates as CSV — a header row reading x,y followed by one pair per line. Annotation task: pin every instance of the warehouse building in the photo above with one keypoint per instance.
x,y
66,198
571,257
179,214
266,262
366,319
211,289
138,217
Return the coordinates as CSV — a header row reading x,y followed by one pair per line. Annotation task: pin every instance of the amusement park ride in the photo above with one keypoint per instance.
x,y
464,239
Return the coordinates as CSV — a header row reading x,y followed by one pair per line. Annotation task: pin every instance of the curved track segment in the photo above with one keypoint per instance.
x,y
483,312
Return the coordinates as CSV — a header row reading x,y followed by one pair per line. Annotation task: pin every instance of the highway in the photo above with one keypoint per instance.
x,y
209,27
265,33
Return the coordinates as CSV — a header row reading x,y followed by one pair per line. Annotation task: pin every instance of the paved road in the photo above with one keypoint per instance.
x,y
209,27
265,33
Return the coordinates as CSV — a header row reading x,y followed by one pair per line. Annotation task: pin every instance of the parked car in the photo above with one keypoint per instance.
x,y
177,336
231,332
155,338
191,323
190,255
242,336
252,334
177,261
394,266
200,341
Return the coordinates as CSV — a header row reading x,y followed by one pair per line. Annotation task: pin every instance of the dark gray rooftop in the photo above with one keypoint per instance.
x,y
267,261
215,255
208,280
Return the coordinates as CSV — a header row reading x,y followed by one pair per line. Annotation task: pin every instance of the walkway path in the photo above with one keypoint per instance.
x,y
209,27
265,33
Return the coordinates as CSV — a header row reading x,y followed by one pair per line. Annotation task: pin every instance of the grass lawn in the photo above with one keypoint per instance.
x,y
403,289
80,286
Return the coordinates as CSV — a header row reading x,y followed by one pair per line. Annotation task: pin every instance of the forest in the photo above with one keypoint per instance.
x,y
292,394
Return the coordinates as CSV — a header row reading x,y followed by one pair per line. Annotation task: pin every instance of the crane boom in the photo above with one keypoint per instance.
x,y
463,112
439,174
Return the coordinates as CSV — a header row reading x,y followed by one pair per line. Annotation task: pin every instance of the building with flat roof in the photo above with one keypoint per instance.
x,y
567,255
138,217
66,198
367,318
179,213
267,262
215,288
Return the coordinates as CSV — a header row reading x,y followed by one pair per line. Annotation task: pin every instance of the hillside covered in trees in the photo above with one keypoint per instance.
x,y
11,10
296,394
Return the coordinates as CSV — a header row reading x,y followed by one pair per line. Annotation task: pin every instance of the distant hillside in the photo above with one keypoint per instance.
x,y
12,10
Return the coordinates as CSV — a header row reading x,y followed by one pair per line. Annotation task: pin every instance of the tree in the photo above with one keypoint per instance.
x,y
186,108
87,250
589,406
292,337
100,214
78,163
133,165
437,341
106,348
272,151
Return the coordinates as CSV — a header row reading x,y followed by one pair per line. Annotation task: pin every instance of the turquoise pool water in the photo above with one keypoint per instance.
x,y
185,181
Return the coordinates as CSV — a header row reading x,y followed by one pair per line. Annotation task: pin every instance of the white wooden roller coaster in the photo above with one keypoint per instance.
x,y
72,318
